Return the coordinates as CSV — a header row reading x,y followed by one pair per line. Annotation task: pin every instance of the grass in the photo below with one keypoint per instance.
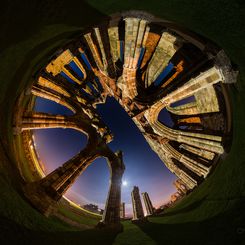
x,y
79,217
213,213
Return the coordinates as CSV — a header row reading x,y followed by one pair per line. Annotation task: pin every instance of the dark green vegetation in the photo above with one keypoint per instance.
x,y
31,31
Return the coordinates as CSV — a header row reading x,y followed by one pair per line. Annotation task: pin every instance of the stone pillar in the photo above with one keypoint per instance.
x,y
122,210
114,43
165,156
148,203
139,43
94,51
138,213
191,164
200,152
102,50
131,30
111,215
188,180
45,193
134,37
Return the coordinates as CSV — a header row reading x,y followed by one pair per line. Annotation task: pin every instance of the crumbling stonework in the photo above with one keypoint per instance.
x,y
124,62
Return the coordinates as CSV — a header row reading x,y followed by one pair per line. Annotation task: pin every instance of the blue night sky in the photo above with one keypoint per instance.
x,y
143,166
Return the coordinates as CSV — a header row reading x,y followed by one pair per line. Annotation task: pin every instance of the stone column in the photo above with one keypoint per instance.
x,y
102,50
191,164
114,43
139,43
200,152
138,213
122,210
148,203
187,179
111,215
94,51
134,37
131,30
45,193
165,156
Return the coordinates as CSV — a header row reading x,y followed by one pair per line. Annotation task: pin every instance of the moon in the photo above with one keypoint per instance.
x,y
124,183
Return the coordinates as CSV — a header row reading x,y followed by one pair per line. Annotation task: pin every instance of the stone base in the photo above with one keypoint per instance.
x,y
118,227
140,221
39,199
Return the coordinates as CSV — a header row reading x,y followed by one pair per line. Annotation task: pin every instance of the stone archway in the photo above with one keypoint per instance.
x,y
112,71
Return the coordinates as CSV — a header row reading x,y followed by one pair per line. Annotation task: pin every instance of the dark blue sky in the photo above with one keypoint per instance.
x,y
143,166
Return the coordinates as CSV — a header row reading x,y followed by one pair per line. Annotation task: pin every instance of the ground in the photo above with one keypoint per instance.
x,y
31,31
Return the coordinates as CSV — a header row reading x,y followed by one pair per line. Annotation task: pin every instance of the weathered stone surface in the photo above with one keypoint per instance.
x,y
206,102
184,152
164,52
58,65
114,43
148,204
138,213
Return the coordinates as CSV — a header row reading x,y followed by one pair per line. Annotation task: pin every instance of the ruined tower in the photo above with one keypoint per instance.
x,y
148,204
122,210
138,212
